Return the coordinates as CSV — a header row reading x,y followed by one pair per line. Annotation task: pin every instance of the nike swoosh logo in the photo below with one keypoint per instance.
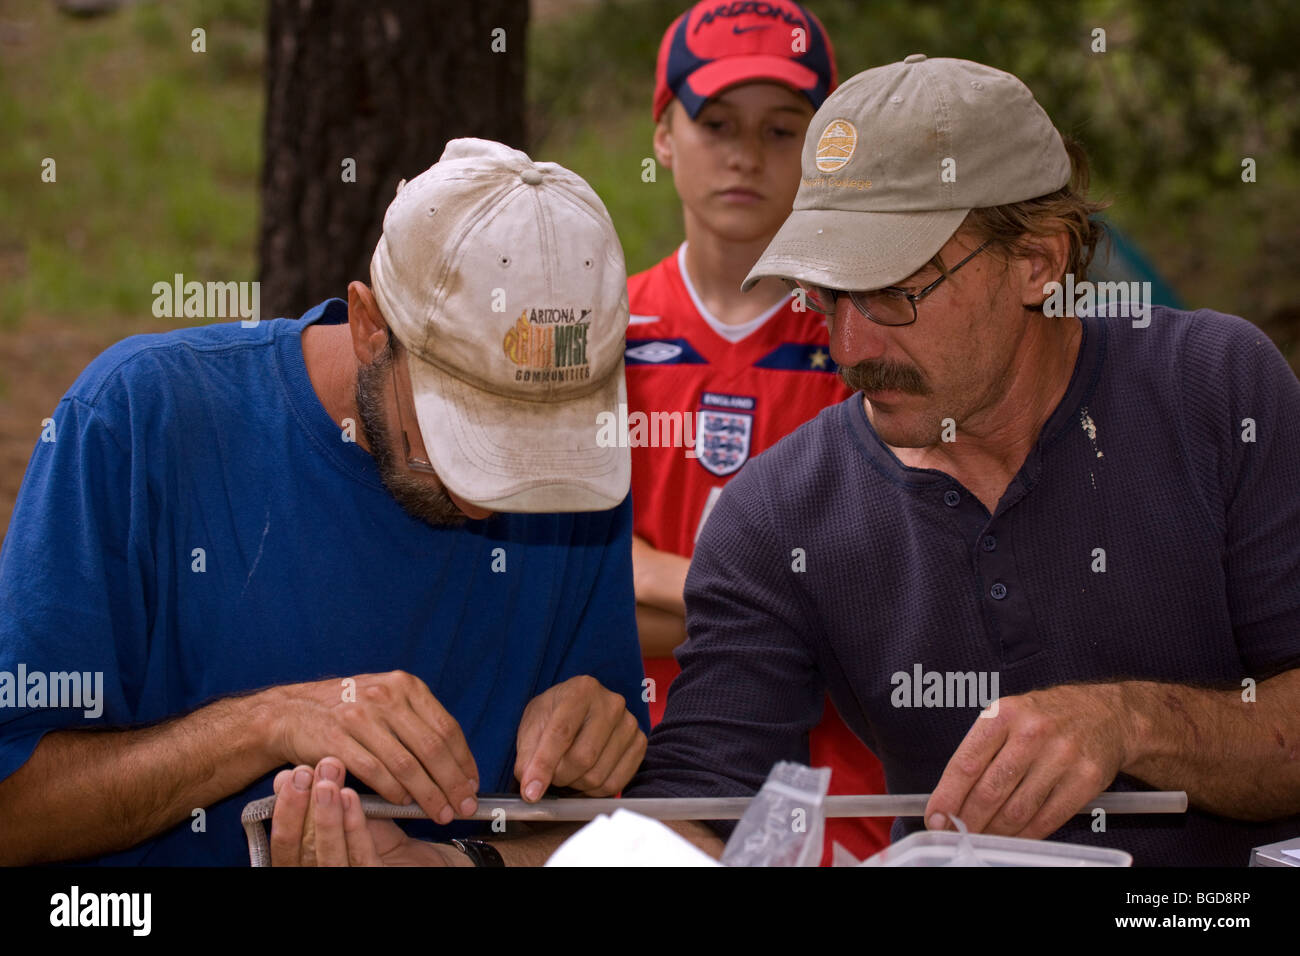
x,y
737,29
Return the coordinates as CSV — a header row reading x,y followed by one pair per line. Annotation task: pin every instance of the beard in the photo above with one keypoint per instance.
x,y
876,376
431,505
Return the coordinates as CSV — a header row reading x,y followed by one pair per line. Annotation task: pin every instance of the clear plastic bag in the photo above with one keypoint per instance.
x,y
785,821
965,855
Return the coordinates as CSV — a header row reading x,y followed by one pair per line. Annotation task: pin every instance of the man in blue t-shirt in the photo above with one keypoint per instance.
x,y
382,539
1045,551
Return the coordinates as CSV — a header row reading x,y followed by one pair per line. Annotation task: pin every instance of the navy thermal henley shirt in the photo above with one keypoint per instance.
x,y
1153,533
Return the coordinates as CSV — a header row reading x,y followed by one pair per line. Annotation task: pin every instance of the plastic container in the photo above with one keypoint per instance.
x,y
945,848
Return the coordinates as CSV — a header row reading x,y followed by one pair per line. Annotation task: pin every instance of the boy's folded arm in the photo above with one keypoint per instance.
x,y
660,632
659,577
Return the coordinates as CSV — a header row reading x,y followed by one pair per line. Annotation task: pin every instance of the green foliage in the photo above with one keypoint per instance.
x,y
646,215
1184,91
158,153
597,62
159,148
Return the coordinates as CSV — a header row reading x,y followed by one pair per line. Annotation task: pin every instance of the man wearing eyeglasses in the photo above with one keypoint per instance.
x,y
1036,556
381,540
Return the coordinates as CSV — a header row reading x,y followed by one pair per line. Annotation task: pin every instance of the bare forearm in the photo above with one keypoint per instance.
x,y
1236,757
84,793
659,577
660,632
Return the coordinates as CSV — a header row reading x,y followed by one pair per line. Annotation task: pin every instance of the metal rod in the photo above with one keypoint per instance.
x,y
577,809
733,808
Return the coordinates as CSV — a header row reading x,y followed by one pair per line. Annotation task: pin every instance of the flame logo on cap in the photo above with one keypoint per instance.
x,y
836,145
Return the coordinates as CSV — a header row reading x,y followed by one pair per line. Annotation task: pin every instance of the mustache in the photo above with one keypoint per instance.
x,y
875,376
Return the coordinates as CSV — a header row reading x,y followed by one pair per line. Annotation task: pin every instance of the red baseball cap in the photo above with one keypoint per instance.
x,y
715,45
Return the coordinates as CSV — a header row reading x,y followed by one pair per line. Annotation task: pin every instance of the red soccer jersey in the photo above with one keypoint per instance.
x,y
732,391
741,396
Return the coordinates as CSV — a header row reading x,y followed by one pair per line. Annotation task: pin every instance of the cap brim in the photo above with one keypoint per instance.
x,y
712,78
509,455
854,250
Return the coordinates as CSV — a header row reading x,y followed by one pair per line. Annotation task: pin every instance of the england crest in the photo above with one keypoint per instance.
x,y
723,427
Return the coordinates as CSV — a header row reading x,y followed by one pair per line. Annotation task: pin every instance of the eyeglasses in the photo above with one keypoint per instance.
x,y
415,464
888,306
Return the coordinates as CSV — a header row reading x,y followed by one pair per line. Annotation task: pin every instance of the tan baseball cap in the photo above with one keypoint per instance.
x,y
896,158
505,280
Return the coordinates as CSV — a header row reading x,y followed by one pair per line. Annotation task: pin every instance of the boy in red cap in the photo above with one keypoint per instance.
x,y
735,87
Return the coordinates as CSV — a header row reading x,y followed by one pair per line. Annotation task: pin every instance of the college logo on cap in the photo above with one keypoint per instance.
x,y
836,145
549,345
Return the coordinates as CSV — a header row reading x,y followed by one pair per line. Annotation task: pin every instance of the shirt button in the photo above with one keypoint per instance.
x,y
951,498
998,591
989,543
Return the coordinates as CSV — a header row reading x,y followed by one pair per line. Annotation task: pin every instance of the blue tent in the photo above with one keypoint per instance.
x,y
1126,263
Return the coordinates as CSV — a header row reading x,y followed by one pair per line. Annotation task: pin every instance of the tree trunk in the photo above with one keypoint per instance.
x,y
384,83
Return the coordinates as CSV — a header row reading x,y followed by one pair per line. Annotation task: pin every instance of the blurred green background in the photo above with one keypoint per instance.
x,y
1184,92
159,149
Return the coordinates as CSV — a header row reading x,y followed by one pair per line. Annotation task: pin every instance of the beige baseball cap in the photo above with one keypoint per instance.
x,y
896,158
505,280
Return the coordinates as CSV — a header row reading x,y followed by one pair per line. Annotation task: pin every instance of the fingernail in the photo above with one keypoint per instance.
x,y
533,790
468,806
323,796
936,821
347,799
445,816
473,785
330,771
302,779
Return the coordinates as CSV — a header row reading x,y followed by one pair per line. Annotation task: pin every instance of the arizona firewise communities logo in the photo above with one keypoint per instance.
x,y
836,145
549,345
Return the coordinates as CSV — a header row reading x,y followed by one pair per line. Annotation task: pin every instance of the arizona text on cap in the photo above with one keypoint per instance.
x,y
896,158
714,45
505,280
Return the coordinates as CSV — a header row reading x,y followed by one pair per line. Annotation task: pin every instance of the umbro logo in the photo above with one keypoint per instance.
x,y
654,352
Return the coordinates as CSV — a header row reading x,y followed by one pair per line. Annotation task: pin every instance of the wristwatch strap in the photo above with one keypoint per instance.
x,y
482,853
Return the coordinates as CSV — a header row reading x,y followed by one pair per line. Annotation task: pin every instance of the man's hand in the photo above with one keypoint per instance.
x,y
577,734
318,822
388,729
1028,770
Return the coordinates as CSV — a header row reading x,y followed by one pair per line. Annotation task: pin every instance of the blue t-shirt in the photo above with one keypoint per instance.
x,y
199,528
1153,533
